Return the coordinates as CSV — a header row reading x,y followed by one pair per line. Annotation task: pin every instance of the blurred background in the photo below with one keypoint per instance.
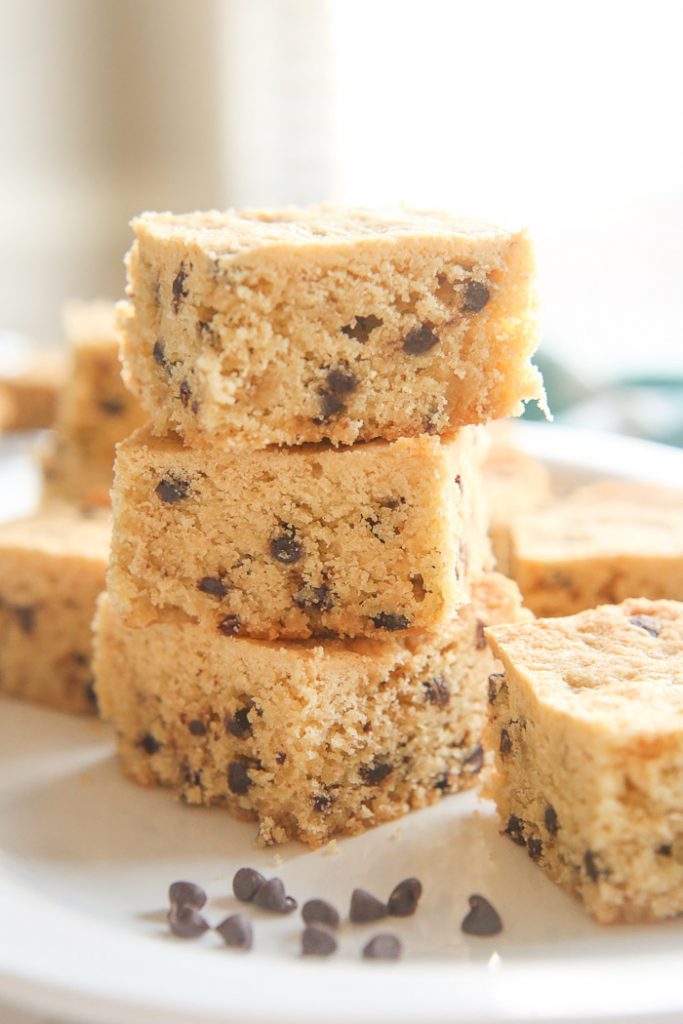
x,y
565,117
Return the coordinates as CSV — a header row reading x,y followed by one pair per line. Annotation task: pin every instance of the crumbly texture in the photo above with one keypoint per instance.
x,y
515,483
294,326
95,409
30,395
298,542
52,568
587,724
606,542
312,740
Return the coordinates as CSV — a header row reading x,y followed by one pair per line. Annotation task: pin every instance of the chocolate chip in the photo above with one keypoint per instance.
x,y
362,327
479,635
271,896
322,802
186,922
405,897
197,727
515,830
157,293
238,724
236,932
664,850
534,848
458,481
213,586
320,912
185,392
330,405
383,947
550,819
590,863
474,762
246,883
172,489
341,381
648,623
366,907
390,621
317,941
494,679
179,290
149,744
281,757
286,548
26,617
90,693
437,692
375,773
238,778
195,407
159,354
443,782
482,919
112,406
230,625
505,742
319,598
186,894
475,295
420,340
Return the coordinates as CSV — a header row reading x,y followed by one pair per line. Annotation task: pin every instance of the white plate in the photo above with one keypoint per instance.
x,y
86,859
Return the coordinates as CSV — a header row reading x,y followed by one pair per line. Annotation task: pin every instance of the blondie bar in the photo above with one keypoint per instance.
x,y
514,482
587,724
52,568
298,542
311,739
30,394
293,326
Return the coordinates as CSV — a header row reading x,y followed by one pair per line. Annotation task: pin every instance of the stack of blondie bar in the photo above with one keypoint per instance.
x,y
300,574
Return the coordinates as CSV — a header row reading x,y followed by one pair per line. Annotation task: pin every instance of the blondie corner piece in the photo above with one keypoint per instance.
x,y
312,740
292,326
52,568
587,724
298,542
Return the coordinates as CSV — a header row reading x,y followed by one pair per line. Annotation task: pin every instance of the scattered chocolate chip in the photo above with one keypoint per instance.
x,y
246,883
185,392
534,848
281,757
330,405
286,548
149,744
172,489
515,830
505,742
383,947
373,774
458,481
482,919
404,898
474,762
362,327
366,907
195,406
197,727
159,354
186,922
213,586
317,941
187,894
238,778
437,692
341,381
179,290
190,777
230,625
112,406
90,693
26,617
475,296
664,850
322,802
443,782
238,724
271,896
590,863
236,932
319,598
550,819
648,623
479,635
157,293
494,679
420,340
390,621
320,912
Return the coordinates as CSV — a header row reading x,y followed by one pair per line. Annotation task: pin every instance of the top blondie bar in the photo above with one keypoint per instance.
x,y
300,325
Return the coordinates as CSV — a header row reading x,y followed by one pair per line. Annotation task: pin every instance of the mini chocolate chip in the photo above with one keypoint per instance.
x,y
664,850
322,802
366,907
648,623
186,922
320,912
590,863
185,392
443,782
437,692
159,354
420,340
112,406
197,727
238,724
190,777
330,405
474,762
534,848
157,293
26,617
149,744
373,774
550,819
187,894
494,679
505,742
317,941
482,919
475,295
458,481
286,548
515,830
405,897
362,327
179,290
246,883
383,947
213,586
90,693
230,625
479,635
195,406
341,381
172,489
281,757
271,896
236,932
319,598
238,778
390,621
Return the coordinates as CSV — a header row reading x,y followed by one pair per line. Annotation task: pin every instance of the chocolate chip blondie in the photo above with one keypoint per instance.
x,y
52,568
29,395
514,482
607,541
292,326
587,723
298,542
313,739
